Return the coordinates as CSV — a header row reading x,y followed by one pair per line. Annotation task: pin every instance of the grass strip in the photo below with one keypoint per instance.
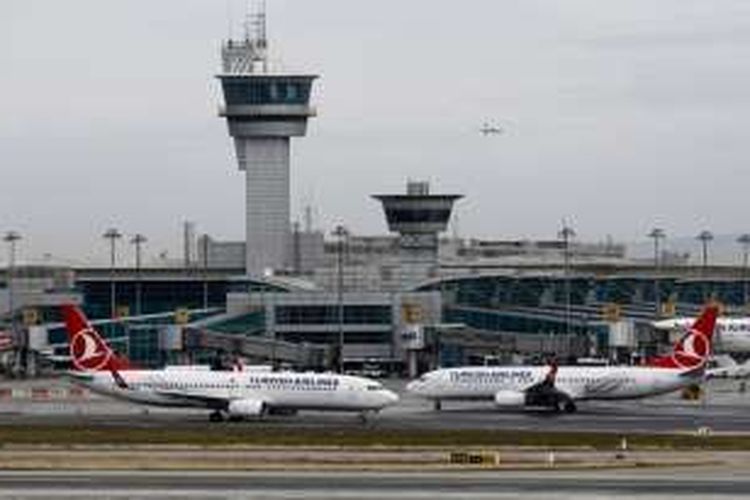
x,y
254,435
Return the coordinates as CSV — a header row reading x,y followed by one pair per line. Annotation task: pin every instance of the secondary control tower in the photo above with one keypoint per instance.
x,y
418,217
263,110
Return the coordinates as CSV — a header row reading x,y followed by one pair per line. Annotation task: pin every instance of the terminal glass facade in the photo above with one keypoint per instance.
x,y
328,314
331,336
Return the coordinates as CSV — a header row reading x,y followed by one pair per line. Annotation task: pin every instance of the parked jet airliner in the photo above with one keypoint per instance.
x,y
732,334
556,388
237,394
727,367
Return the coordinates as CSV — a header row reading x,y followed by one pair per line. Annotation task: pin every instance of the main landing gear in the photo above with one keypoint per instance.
x,y
216,416
437,405
569,406
367,416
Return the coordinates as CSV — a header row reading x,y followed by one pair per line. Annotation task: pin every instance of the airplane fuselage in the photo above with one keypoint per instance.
x,y
580,383
213,389
731,334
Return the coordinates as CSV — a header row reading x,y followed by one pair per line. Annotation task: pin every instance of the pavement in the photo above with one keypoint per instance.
x,y
723,410
708,482
377,458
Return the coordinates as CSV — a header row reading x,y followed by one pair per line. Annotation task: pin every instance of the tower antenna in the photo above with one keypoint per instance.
x,y
308,219
249,55
456,233
230,31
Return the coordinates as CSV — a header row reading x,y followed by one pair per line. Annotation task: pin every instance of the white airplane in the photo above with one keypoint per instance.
x,y
488,129
553,387
726,367
237,394
732,334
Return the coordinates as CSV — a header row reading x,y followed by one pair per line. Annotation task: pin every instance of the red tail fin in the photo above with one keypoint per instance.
x,y
694,348
88,350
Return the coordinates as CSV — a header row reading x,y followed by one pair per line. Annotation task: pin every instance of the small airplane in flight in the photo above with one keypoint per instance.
x,y
732,334
488,129
235,394
561,387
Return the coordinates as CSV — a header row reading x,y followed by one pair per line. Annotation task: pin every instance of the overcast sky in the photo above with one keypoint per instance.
x,y
619,116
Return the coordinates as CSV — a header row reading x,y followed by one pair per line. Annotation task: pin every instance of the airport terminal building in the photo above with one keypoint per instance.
x,y
300,296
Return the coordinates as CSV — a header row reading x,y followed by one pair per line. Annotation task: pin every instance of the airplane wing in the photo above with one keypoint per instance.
x,y
546,391
189,398
243,407
601,386
542,393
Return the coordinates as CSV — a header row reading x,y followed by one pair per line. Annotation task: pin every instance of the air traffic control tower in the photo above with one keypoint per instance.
x,y
263,111
418,217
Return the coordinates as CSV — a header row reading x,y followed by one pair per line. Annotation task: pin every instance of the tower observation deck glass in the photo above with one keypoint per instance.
x,y
258,90
400,215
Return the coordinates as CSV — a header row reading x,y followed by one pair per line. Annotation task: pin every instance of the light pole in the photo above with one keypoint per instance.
x,y
566,234
204,245
341,234
11,237
657,234
112,235
705,237
744,240
138,240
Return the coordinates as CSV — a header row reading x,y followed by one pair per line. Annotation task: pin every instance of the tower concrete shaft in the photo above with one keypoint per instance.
x,y
266,203
418,217
263,111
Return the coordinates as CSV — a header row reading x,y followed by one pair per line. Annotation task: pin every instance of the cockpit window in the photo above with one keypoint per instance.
x,y
374,387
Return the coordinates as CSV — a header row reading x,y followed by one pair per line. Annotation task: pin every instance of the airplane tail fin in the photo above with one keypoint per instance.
x,y
694,348
88,350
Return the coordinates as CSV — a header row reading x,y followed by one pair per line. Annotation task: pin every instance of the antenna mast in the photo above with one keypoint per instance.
x,y
308,219
249,55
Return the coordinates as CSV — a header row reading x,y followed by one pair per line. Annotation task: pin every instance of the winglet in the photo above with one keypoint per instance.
x,y
552,373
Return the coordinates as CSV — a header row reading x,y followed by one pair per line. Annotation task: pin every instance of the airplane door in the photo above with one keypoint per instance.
x,y
234,391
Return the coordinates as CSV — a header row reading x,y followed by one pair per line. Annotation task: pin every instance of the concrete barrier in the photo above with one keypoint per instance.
x,y
43,393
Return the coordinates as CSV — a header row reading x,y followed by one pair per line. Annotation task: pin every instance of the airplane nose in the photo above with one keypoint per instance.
x,y
413,386
391,398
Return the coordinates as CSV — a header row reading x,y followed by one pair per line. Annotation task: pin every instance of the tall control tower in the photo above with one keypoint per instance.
x,y
263,110
418,217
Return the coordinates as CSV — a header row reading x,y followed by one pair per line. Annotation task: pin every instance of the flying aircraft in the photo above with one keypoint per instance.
x,y
488,129
236,394
560,387
732,334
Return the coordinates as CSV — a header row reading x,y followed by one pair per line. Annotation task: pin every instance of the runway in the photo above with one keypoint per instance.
x,y
710,482
723,410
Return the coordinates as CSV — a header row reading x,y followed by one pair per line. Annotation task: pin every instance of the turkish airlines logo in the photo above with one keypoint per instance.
x,y
693,350
88,351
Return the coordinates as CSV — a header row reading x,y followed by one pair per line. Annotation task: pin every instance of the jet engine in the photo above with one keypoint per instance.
x,y
510,398
245,408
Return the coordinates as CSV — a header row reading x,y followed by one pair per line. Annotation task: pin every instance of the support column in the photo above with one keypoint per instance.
x,y
267,202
